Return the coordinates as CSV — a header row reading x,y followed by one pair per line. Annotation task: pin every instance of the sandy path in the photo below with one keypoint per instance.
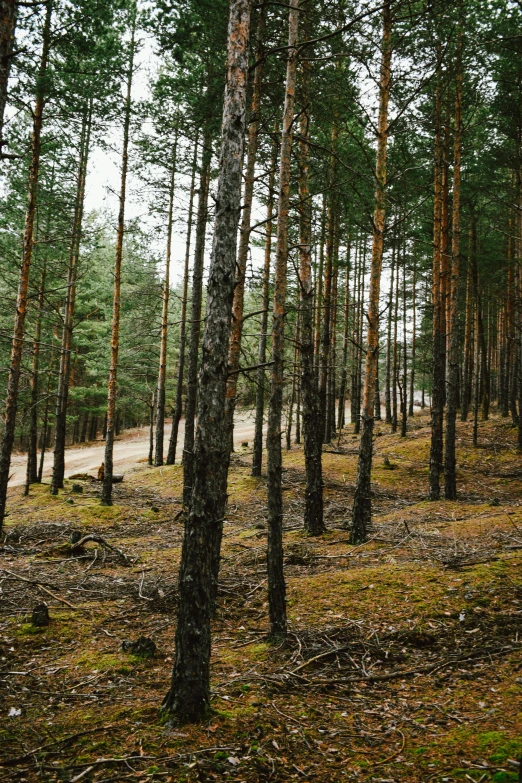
x,y
127,453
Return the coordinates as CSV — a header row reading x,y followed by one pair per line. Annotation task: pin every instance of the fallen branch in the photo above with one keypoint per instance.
x,y
42,587
99,540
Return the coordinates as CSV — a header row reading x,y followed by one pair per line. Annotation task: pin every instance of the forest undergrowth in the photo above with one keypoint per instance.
x,y
403,662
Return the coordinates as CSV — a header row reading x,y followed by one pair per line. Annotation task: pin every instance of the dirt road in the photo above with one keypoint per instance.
x,y
127,453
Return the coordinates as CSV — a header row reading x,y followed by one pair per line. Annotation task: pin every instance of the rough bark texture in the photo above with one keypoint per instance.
x,y
162,371
344,361
195,320
176,415
32,449
276,581
327,301
189,695
236,331
257,456
389,349
64,371
8,14
11,399
106,497
437,391
362,508
450,475
313,515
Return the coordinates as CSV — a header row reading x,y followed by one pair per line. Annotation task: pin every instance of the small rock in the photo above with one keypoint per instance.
x,y
40,616
70,501
142,646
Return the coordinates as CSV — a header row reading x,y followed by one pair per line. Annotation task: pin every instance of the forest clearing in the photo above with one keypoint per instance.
x,y
261,391
403,657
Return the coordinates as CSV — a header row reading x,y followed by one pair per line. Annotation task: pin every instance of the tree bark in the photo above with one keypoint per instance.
x,y
276,580
23,285
257,456
32,448
176,415
8,17
106,497
189,695
413,334
389,349
437,392
346,323
450,466
64,370
362,504
236,332
327,287
162,370
313,514
195,319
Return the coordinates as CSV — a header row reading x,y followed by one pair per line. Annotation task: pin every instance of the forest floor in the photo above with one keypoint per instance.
x,y
403,661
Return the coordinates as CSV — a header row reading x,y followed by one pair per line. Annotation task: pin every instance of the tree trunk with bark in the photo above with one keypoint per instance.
x,y
257,455
106,496
189,696
162,370
176,414
8,17
62,393
15,364
362,505
450,464
437,392
236,331
195,319
313,514
276,580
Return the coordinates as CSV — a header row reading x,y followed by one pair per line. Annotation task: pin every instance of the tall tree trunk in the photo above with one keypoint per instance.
x,y
326,319
395,362
404,421
437,392
413,334
468,348
162,370
15,364
389,348
276,580
64,371
362,504
8,15
344,360
236,332
313,514
450,465
32,448
195,319
257,456
45,422
106,496
318,299
176,415
189,696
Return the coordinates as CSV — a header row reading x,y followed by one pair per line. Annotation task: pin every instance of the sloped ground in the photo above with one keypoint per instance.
x,y
403,662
